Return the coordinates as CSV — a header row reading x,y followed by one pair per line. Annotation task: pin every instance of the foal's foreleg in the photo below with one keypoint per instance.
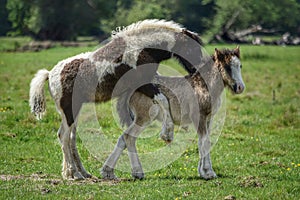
x,y
205,169
107,171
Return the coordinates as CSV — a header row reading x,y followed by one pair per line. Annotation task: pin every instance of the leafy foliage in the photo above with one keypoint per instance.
x,y
66,19
5,24
277,14
55,19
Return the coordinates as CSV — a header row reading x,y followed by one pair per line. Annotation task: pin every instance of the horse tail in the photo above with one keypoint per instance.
x,y
37,95
125,113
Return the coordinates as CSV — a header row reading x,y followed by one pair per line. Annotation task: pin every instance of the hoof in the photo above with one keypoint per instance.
x,y
208,175
137,173
71,174
78,176
167,132
67,174
166,136
85,174
107,173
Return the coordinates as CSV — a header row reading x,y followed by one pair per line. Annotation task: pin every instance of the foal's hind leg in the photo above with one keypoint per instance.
x,y
126,140
130,136
68,162
151,90
167,132
80,170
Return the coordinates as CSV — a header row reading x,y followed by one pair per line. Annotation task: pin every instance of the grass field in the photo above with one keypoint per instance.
x,y
257,155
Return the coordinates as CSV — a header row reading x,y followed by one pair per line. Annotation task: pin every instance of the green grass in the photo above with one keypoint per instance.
x,y
13,43
10,44
257,156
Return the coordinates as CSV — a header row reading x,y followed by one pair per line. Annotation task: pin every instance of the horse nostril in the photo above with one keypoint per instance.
x,y
238,88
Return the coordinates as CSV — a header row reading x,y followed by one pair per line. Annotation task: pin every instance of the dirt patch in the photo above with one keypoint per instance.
x,y
35,177
230,197
51,180
251,181
4,177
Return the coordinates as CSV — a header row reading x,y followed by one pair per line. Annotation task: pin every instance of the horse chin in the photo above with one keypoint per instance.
x,y
232,89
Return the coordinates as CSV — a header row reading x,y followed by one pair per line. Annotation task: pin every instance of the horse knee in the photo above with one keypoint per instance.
x,y
134,130
129,140
121,142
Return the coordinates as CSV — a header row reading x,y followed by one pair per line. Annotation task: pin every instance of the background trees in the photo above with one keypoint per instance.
x,y
66,19
277,16
55,19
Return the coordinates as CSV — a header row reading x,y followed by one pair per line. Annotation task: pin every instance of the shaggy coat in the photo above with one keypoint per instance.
x,y
135,51
193,99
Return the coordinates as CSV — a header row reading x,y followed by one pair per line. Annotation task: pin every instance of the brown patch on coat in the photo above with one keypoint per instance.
x,y
147,65
139,78
107,87
68,77
153,55
125,79
112,51
80,84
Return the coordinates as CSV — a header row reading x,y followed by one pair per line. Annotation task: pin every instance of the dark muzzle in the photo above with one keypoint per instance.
x,y
238,88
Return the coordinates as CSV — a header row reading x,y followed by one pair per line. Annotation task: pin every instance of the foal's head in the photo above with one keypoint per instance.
x,y
229,64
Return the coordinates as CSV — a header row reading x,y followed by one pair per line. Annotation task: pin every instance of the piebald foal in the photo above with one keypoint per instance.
x,y
193,99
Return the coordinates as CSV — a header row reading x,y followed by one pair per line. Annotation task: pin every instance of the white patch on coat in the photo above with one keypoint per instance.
x,y
55,86
143,34
145,25
104,67
37,95
152,38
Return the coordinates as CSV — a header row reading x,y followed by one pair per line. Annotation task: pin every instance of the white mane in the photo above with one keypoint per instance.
x,y
141,26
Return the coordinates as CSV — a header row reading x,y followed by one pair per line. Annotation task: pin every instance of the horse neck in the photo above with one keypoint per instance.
x,y
188,51
152,55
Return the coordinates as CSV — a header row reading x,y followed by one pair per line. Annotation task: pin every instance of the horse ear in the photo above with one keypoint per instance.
x,y
218,54
236,51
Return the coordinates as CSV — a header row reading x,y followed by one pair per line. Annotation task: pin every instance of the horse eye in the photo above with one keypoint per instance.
x,y
241,66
